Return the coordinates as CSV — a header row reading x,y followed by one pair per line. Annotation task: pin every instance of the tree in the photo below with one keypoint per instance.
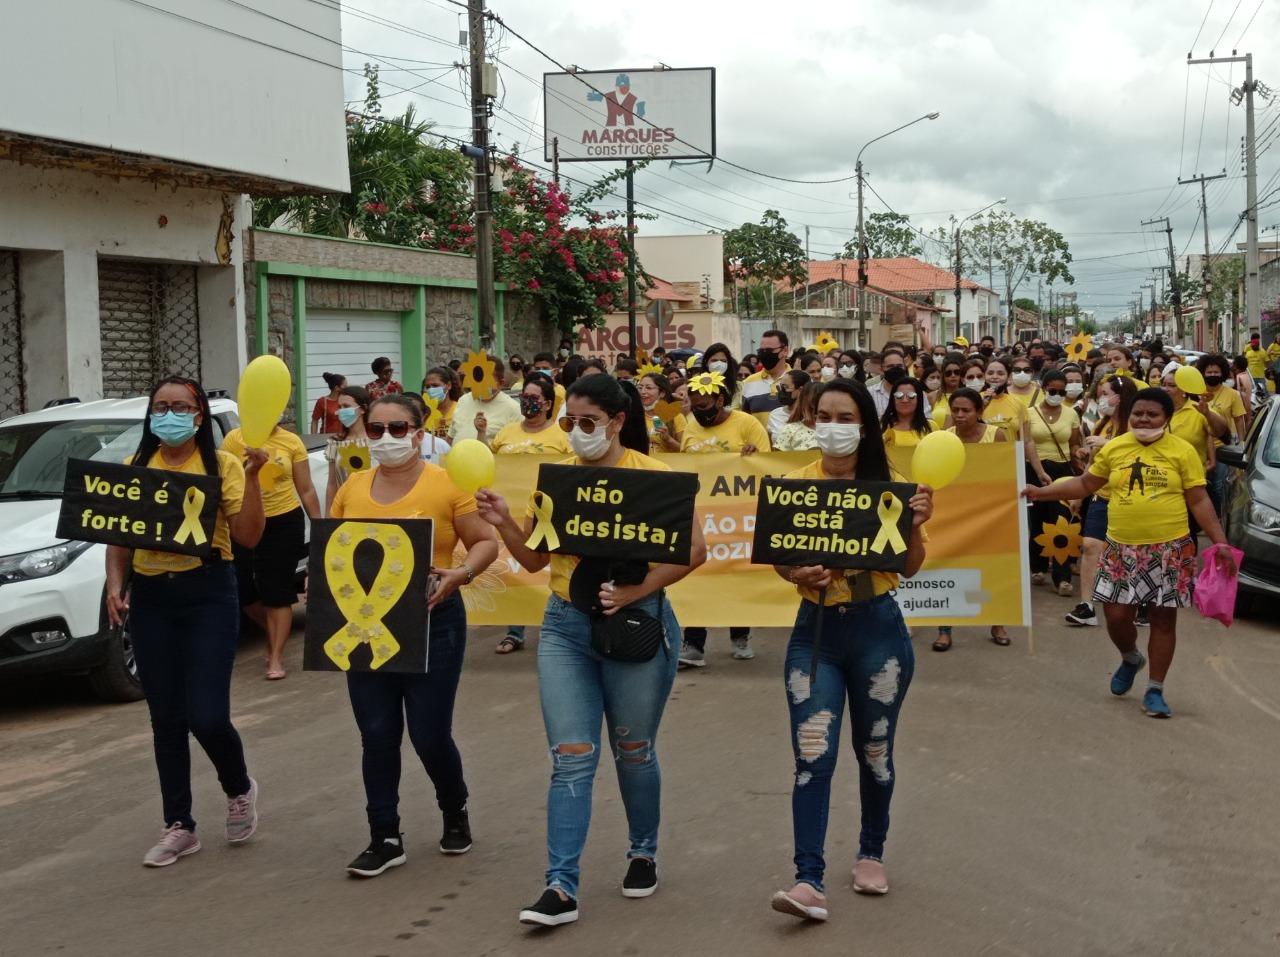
x,y
1224,277
887,235
1087,327
1028,304
765,253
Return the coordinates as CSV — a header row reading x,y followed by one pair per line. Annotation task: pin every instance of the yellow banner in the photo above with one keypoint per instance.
x,y
974,571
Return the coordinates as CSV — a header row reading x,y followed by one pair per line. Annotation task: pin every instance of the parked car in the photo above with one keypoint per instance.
x,y
1251,507
52,612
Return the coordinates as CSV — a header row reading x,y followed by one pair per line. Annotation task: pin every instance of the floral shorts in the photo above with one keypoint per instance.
x,y
1162,574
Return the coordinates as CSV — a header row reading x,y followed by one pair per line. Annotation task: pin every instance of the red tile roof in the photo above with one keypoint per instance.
x,y
661,289
902,275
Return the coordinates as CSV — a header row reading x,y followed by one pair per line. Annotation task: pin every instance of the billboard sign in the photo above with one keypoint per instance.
x,y
686,330
630,114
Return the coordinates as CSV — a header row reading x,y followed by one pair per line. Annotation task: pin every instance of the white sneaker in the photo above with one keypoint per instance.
x,y
742,649
691,657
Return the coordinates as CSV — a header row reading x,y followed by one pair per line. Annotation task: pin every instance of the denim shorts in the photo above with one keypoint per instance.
x,y
1095,520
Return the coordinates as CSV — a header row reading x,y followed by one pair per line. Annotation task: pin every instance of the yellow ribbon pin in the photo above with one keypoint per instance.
x,y
190,528
889,511
543,530
364,610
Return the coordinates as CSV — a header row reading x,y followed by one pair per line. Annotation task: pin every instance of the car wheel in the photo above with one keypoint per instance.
x,y
116,679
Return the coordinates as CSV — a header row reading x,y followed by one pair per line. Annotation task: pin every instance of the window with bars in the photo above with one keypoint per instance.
x,y
149,322
13,379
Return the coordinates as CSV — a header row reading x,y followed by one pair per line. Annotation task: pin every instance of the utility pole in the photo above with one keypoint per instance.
x,y
631,255
862,261
480,97
1244,93
1174,290
1205,281
555,160
958,264
807,260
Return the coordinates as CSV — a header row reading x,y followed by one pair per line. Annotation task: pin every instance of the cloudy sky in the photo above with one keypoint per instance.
x,y
1082,113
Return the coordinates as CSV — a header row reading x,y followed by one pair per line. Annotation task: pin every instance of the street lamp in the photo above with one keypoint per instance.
x,y
958,228
862,246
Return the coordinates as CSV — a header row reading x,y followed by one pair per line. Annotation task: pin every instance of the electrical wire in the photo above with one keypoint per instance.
x,y
1226,26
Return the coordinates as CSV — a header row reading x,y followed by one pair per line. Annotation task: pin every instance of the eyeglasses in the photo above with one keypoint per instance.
x,y
951,373
903,396
1022,368
177,408
1055,391
584,422
398,430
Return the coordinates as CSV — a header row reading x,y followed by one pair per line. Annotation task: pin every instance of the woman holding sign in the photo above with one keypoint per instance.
x,y
579,687
184,617
404,486
865,656
348,451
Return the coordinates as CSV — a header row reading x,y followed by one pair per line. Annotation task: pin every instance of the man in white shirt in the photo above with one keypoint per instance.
x,y
473,419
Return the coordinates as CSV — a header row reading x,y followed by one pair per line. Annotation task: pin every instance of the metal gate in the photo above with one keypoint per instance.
x,y
13,378
150,325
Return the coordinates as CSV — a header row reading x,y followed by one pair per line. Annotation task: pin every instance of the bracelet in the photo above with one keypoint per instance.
x,y
471,575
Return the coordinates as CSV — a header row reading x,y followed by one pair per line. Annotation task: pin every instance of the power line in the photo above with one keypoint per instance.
x,y
1203,21
1226,26
1250,23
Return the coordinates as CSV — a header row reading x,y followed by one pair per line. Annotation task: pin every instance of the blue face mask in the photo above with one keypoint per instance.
x,y
347,415
436,392
173,428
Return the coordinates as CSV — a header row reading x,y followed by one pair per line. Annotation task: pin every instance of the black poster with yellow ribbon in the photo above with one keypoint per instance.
x,y
636,515
136,507
839,523
367,595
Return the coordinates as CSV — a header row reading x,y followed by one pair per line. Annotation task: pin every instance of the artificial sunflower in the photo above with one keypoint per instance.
x,y
649,367
707,383
1079,346
642,356
479,375
1059,542
434,417
826,343
693,361
353,456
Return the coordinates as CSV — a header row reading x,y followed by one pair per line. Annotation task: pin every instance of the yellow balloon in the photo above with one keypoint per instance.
x,y
470,465
262,397
938,459
1190,381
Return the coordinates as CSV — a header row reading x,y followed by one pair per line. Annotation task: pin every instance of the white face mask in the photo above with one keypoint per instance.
x,y
976,384
1053,400
873,381
590,447
827,373
1021,378
1144,363
389,450
718,366
1106,407
933,385
1074,389
1147,436
838,438
846,372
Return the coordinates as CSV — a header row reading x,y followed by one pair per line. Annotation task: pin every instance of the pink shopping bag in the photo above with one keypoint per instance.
x,y
1215,592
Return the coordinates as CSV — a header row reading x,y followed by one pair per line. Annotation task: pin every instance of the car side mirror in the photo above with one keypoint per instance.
x,y
1232,455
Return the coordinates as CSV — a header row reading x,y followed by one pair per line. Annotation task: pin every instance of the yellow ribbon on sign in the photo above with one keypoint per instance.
x,y
889,511
190,528
362,609
543,530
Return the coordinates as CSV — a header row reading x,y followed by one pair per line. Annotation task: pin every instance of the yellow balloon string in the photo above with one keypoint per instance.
x,y
364,610
889,511
190,528
543,530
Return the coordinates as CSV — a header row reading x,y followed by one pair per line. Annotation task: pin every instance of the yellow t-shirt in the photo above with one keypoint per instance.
x,y
731,435
1028,399
988,436
1005,412
147,562
433,496
514,440
563,566
908,437
1147,485
941,409
1257,360
1228,404
1190,425
283,449
1044,433
1273,352
839,592
676,429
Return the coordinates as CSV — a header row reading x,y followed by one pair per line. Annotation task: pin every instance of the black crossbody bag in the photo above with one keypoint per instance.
x,y
629,634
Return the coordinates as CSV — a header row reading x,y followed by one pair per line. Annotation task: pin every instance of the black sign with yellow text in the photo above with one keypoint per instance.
x,y
839,523
137,507
634,515
367,595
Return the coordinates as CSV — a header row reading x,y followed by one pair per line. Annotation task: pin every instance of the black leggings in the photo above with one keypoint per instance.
x,y
1043,513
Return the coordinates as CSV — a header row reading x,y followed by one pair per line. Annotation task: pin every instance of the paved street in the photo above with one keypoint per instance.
x,y
1035,814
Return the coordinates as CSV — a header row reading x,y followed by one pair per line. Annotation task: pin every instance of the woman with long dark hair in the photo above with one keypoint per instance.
x,y
184,617
442,385
865,656
324,417
579,688
1051,439
904,421
353,406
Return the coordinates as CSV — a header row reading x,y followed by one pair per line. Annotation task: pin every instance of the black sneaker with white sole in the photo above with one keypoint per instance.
x,y
381,854
457,833
1082,614
641,879
1142,619
550,910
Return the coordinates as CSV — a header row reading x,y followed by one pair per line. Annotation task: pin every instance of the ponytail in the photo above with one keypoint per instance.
x,y
614,396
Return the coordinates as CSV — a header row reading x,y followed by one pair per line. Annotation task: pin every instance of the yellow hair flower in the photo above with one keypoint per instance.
x,y
826,343
479,375
693,361
1079,346
1059,542
707,383
648,368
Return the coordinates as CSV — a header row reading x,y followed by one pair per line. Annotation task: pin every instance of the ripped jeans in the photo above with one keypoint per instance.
x,y
578,689
865,652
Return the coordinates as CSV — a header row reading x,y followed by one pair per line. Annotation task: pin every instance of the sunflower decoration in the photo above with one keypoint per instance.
x,y
826,343
1079,346
1059,542
434,418
642,356
693,361
479,375
649,367
707,383
667,411
353,456
482,594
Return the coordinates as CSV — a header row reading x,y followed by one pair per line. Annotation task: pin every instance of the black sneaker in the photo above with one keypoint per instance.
x,y
381,854
641,879
457,833
1082,614
551,910
1141,619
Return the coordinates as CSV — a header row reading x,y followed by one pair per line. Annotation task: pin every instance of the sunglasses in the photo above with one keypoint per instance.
x,y
178,408
584,422
1055,391
398,430
951,373
903,396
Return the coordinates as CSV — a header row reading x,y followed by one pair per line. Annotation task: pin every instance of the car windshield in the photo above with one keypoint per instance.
x,y
1271,451
33,458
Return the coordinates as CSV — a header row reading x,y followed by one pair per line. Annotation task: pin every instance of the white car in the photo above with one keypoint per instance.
x,y
52,614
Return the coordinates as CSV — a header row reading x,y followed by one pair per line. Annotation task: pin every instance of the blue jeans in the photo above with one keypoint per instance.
x,y
185,626
865,653
384,703
578,689
1218,477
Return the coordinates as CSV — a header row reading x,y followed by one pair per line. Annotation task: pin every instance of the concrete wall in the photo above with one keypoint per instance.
x,y
253,87
685,259
61,221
